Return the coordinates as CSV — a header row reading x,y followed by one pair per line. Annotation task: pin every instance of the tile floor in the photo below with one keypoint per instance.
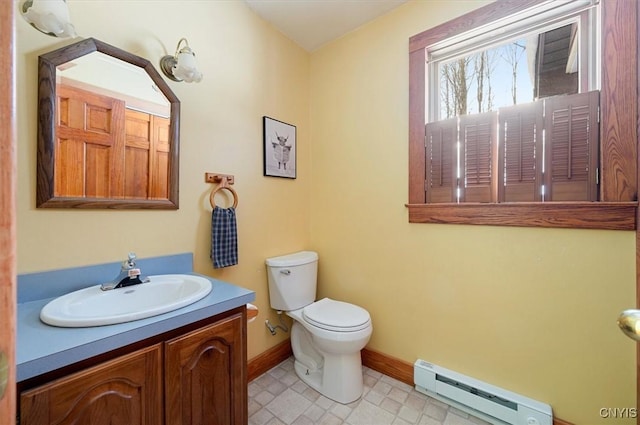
x,y
279,397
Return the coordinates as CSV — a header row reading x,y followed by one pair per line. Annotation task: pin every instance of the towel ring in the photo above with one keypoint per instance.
x,y
223,186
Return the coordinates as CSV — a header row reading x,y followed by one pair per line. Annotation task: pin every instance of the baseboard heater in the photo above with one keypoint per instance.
x,y
478,398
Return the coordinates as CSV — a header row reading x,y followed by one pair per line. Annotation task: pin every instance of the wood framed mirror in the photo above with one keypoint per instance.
x,y
108,130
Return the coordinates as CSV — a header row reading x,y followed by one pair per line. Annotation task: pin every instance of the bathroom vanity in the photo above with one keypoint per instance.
x,y
180,368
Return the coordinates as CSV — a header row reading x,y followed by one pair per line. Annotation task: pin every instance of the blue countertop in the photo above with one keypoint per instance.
x,y
41,348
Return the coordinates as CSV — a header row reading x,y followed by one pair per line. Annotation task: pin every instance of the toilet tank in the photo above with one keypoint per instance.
x,y
292,280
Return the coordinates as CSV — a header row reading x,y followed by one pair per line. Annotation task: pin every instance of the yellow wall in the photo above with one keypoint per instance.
x,y
530,310
250,70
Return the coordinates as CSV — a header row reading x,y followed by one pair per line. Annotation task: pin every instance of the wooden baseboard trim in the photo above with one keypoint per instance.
x,y
269,359
390,366
402,371
557,421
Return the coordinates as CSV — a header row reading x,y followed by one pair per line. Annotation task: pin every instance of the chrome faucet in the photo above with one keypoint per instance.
x,y
129,275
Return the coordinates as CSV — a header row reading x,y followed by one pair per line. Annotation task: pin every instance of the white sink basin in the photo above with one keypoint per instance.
x,y
94,307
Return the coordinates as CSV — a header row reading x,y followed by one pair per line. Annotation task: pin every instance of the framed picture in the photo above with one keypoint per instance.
x,y
279,148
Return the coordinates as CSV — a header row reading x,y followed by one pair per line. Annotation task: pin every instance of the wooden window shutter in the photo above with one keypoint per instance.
x,y
441,160
477,140
571,131
520,153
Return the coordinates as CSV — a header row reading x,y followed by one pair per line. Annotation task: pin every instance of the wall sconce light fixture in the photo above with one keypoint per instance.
x,y
48,16
182,65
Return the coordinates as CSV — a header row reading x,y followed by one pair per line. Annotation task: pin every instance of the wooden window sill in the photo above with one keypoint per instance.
x,y
573,215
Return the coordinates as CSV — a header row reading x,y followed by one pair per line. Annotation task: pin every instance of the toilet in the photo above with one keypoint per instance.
x,y
327,335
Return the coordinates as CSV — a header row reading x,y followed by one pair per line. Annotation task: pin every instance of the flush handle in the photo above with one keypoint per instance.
x,y
286,272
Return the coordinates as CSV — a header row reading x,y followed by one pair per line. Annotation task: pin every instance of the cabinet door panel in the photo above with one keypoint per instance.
x,y
123,391
205,379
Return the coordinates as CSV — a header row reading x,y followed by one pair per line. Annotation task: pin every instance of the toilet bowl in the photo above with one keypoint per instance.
x,y
327,335
327,355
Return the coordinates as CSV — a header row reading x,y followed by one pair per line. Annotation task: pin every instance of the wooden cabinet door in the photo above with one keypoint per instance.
x,y
123,391
205,375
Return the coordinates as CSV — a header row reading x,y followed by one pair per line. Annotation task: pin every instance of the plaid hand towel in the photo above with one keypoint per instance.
x,y
224,237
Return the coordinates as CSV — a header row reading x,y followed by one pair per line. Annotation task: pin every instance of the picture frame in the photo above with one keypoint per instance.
x,y
279,147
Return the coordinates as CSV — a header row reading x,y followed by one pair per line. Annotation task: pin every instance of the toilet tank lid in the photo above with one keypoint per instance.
x,y
295,259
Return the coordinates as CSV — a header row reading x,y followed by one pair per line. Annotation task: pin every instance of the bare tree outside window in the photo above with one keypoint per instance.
x,y
455,79
497,77
512,54
516,72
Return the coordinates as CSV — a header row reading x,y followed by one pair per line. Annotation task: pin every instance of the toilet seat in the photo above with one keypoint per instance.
x,y
336,316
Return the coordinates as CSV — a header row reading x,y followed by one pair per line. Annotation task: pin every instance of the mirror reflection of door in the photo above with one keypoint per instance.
x,y
112,130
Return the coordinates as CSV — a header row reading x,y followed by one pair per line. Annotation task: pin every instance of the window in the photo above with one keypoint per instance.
x,y
540,143
495,165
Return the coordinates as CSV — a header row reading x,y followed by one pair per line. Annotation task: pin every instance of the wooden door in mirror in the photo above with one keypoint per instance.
x,y
108,131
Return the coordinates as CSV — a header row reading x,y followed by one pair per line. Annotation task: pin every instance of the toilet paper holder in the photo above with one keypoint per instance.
x,y
252,312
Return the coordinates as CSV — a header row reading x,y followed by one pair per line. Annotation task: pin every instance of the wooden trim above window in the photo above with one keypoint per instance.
x,y
618,129
492,12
